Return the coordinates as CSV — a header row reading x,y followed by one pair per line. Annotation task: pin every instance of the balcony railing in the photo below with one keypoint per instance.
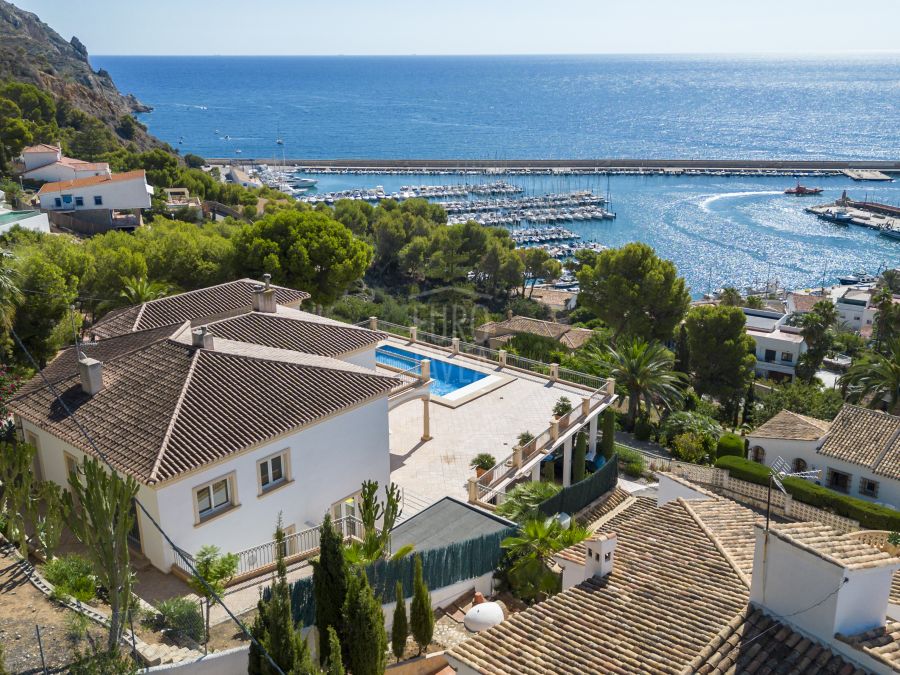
x,y
262,558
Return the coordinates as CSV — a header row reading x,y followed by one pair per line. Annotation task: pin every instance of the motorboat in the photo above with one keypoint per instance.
x,y
856,278
801,190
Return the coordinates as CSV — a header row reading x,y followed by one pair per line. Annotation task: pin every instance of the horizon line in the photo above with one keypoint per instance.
x,y
848,52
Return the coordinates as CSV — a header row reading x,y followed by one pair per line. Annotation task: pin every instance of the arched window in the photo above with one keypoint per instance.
x,y
758,454
799,465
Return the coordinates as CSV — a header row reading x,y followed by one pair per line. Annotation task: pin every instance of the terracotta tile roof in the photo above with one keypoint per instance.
x,y
732,526
831,545
792,426
576,337
640,505
301,334
91,180
803,302
209,303
882,644
602,506
41,147
84,166
895,589
169,408
753,642
866,437
570,336
669,595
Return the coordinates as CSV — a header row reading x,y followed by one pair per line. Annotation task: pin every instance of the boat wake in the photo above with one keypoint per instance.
x,y
706,200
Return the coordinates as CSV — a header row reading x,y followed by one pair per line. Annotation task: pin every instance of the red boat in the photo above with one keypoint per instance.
x,y
803,190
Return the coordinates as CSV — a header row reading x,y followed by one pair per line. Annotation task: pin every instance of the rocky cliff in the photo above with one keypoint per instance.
x,y
31,51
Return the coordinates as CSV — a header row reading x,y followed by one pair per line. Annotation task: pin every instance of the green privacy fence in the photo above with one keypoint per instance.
x,y
575,497
440,567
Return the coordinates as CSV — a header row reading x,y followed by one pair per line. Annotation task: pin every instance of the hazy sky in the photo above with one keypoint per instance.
x,y
473,26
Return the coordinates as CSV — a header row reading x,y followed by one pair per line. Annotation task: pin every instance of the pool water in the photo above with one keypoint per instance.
x,y
447,377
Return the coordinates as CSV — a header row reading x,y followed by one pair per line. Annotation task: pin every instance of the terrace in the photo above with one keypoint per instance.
x,y
433,444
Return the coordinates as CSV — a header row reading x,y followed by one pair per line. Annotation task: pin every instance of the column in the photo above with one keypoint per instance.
x,y
473,490
567,461
373,323
454,345
592,433
502,358
554,372
536,472
413,334
426,418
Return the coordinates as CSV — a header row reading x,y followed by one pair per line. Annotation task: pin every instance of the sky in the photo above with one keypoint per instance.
x,y
377,27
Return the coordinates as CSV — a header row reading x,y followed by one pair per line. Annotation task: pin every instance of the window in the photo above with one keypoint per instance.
x,y
770,355
787,356
79,201
838,480
57,202
799,465
868,487
71,464
758,454
214,497
98,200
856,318
273,471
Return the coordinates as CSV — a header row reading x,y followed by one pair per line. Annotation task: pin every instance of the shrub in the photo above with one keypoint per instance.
x,y
690,447
643,429
870,516
626,454
730,445
634,469
690,422
525,438
73,576
179,615
562,407
483,460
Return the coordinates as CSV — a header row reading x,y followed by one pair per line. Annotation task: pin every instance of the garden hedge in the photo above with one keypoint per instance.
x,y
730,445
870,516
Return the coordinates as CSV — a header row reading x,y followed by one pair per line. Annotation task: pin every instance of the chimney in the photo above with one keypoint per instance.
x,y
202,338
91,371
509,314
598,562
822,582
264,296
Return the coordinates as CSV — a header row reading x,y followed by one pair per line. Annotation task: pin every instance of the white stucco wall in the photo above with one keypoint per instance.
x,y
32,220
328,462
32,160
670,490
56,172
228,662
364,358
123,194
888,489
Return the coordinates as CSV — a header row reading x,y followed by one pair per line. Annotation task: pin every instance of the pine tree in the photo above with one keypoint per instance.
x,y
421,616
400,629
364,622
578,458
335,663
330,588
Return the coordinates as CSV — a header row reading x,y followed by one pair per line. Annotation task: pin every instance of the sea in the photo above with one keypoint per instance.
x,y
718,230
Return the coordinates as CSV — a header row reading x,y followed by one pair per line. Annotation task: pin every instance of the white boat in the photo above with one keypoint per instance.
x,y
303,182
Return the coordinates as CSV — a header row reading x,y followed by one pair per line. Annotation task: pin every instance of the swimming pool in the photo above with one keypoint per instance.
x,y
447,377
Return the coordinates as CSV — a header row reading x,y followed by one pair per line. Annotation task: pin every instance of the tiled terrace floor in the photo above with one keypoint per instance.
x,y
440,467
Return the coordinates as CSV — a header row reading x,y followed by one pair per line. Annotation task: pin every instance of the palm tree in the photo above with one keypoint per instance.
x,y
891,279
522,501
645,371
138,290
9,292
875,379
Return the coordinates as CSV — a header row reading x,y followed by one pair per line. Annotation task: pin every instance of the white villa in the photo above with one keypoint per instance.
x,y
98,203
45,163
228,405
858,453
779,344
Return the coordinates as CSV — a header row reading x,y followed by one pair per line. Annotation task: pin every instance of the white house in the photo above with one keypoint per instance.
x,y
46,163
99,203
858,453
779,343
246,409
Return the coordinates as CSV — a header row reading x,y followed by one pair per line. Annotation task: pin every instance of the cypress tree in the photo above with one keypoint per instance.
x,y
400,629
364,622
258,631
335,664
281,642
330,588
608,441
421,616
578,456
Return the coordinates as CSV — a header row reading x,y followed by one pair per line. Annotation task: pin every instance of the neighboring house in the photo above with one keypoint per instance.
x,y
556,299
97,204
244,410
46,163
778,341
855,310
690,582
858,453
180,198
801,303
495,334
29,220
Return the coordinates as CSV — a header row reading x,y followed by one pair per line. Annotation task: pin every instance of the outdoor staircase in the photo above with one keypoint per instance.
x,y
162,654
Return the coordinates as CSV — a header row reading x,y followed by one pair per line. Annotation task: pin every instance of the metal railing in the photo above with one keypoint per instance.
x,y
522,363
434,339
265,555
576,377
407,369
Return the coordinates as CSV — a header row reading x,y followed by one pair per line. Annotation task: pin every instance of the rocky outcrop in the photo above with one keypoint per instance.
x,y
31,51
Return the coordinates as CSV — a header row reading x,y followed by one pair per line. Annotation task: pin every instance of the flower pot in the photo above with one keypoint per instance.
x,y
479,472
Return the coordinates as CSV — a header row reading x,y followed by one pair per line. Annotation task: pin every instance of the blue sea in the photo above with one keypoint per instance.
x,y
736,231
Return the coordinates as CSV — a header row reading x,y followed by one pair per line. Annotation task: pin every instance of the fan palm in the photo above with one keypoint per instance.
x,y
522,501
875,379
645,371
138,290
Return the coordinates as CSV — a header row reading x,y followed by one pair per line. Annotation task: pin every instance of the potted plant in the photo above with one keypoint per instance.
x,y
482,462
525,438
562,407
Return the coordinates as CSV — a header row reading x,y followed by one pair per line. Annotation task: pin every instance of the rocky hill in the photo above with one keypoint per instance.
x,y
31,51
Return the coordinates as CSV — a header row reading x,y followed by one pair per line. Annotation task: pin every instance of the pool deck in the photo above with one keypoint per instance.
x,y
429,470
